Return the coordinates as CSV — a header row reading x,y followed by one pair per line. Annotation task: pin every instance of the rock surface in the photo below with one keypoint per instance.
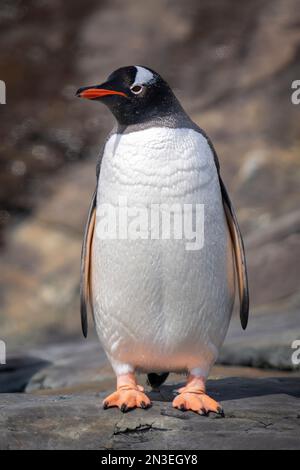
x,y
260,414
267,342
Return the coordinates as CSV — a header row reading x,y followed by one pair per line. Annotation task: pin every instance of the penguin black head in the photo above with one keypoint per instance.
x,y
134,94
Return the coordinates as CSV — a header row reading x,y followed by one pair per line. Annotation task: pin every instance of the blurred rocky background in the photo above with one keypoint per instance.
x,y
232,65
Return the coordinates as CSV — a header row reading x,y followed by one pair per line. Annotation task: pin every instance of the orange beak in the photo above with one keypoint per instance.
x,y
93,93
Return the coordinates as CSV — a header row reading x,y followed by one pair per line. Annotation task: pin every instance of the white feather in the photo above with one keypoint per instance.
x,y
158,306
143,76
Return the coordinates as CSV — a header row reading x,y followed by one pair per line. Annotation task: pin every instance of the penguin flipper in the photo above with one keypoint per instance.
x,y
239,254
85,267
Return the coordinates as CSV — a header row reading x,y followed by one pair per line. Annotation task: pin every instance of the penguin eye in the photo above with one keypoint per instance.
x,y
136,89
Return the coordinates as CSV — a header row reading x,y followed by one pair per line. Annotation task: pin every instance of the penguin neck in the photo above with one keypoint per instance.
x,y
167,114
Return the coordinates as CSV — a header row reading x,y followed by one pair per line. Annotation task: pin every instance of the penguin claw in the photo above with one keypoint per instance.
x,y
200,403
220,412
124,408
144,405
127,400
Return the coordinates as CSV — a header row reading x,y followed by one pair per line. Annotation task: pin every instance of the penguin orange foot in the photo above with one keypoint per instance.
x,y
128,395
193,397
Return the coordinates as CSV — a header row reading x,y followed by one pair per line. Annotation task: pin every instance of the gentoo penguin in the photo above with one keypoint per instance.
x,y
159,307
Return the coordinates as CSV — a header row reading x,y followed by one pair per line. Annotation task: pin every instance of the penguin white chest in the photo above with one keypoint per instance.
x,y
159,305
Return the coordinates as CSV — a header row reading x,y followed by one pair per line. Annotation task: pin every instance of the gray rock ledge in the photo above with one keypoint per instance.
x,y
260,414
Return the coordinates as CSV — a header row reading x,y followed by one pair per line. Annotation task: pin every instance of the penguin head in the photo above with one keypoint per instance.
x,y
134,94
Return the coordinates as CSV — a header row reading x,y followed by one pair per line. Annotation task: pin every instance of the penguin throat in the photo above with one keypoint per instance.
x,y
131,115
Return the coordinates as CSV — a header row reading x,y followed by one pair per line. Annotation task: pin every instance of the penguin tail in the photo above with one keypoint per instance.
x,y
156,380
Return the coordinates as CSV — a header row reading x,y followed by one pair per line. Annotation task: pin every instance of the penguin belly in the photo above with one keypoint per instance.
x,y
159,306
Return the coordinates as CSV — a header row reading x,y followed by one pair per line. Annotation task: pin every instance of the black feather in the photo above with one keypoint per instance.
x,y
83,299
156,380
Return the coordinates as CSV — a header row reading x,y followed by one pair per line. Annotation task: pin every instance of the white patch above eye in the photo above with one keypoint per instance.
x,y
143,76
